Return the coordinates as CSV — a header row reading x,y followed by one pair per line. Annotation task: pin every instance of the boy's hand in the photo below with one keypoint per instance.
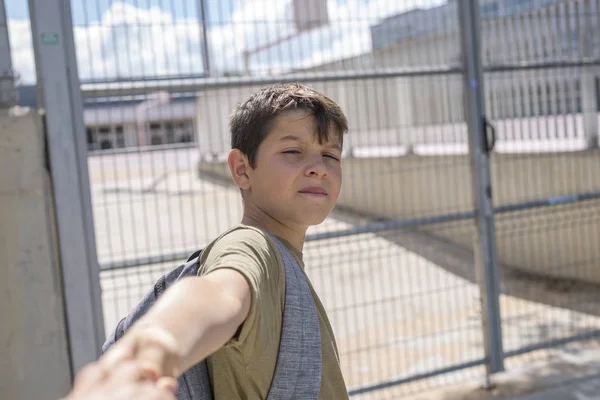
x,y
123,382
153,349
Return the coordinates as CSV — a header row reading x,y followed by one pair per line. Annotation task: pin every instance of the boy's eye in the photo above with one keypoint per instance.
x,y
331,156
291,152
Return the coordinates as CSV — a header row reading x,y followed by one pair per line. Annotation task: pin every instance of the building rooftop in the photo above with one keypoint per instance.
x,y
28,96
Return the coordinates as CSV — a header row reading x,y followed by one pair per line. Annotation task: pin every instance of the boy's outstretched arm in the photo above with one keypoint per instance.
x,y
194,318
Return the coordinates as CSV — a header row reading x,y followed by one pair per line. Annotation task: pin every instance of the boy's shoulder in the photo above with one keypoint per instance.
x,y
241,237
240,233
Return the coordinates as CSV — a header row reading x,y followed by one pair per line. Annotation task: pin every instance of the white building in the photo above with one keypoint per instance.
x,y
396,112
133,121
117,122
513,32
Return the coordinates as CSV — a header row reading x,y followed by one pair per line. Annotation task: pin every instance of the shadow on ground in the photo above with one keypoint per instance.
x,y
564,293
576,378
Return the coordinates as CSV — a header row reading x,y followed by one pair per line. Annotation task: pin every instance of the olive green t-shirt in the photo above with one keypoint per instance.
x,y
244,367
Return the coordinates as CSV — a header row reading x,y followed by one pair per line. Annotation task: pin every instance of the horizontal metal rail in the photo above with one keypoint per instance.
x,y
375,227
197,84
552,343
142,149
543,65
390,225
139,261
417,377
194,84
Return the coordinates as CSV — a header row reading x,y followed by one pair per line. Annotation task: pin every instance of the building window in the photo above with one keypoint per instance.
x,y
105,137
119,132
156,140
170,132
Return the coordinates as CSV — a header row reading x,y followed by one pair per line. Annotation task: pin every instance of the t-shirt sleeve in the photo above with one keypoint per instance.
x,y
250,253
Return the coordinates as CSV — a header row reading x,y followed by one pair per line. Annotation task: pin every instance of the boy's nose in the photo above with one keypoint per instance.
x,y
316,167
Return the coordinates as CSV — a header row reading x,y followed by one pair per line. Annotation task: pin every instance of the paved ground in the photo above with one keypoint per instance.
x,y
396,309
573,376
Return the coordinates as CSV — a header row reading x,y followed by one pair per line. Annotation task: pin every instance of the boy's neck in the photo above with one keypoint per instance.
x,y
295,237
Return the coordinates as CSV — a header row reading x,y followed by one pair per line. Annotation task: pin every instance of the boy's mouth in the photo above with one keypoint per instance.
x,y
314,190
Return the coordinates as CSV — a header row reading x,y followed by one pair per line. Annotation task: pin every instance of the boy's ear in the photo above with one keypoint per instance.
x,y
238,166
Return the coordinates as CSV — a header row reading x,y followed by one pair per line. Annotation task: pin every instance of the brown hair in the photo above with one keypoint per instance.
x,y
252,119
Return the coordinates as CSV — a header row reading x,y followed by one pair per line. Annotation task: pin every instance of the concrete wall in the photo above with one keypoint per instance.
x,y
558,241
34,362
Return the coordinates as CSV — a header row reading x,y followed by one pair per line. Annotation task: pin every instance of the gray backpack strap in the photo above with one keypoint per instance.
x,y
299,362
195,383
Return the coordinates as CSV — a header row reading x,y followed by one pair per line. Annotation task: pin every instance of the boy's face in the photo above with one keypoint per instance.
x,y
296,180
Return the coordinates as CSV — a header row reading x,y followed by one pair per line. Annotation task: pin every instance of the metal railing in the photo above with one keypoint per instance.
x,y
445,252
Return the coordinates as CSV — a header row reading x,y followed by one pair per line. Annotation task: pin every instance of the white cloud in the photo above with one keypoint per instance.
x,y
347,34
134,42
22,49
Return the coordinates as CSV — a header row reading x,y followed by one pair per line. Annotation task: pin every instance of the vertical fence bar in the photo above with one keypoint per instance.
x,y
587,85
60,101
205,49
486,258
7,79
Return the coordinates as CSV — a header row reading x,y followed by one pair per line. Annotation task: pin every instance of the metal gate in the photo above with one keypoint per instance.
x,y
426,280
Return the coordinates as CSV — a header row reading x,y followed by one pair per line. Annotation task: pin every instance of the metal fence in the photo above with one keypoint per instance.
x,y
425,283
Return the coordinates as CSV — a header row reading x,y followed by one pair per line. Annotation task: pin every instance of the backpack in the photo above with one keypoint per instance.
x,y
189,268
298,368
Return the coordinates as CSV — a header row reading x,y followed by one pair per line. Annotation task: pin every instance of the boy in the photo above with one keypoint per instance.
x,y
286,159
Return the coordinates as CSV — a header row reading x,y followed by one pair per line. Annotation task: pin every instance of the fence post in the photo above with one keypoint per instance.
x,y
588,88
485,254
60,102
7,77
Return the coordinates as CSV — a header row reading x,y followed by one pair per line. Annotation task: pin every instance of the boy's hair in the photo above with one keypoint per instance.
x,y
251,121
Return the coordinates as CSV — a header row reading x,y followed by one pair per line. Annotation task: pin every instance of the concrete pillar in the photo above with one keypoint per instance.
x,y
34,362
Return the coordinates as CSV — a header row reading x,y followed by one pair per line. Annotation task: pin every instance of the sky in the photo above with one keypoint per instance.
x,y
124,39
